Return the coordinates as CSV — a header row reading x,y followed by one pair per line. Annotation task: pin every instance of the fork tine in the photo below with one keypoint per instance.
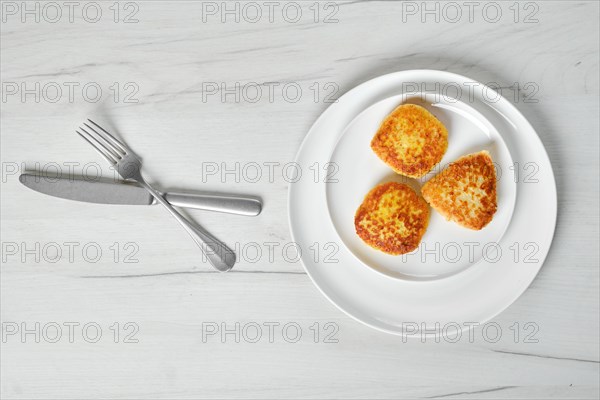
x,y
109,148
100,150
114,140
117,151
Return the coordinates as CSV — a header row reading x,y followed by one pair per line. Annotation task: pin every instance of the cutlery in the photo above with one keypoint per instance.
x,y
128,165
111,192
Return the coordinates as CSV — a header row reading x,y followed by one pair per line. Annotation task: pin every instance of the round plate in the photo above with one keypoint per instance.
x,y
358,170
476,294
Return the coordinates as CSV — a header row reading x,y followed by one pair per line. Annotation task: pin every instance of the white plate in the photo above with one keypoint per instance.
x,y
476,294
358,170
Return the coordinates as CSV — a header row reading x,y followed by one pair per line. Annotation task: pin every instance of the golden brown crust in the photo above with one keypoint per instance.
x,y
465,192
392,218
411,140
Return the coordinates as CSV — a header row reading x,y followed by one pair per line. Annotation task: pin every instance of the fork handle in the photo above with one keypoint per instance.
x,y
218,254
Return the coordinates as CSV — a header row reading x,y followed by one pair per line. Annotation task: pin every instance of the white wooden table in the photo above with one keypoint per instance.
x,y
147,317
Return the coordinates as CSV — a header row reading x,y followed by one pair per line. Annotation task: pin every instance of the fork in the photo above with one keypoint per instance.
x,y
129,167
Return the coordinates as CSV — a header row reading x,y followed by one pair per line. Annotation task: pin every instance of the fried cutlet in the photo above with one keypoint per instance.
x,y
392,218
465,192
411,140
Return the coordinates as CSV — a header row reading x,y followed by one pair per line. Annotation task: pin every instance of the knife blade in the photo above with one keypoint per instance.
x,y
118,192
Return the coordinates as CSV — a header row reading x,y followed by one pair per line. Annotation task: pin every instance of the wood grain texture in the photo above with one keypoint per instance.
x,y
173,296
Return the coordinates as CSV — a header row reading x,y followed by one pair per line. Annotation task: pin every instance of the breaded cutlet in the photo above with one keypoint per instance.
x,y
392,218
465,192
411,140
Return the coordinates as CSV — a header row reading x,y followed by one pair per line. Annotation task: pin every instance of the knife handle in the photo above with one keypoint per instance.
x,y
232,204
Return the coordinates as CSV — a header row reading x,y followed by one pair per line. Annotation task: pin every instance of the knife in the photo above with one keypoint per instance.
x,y
111,192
